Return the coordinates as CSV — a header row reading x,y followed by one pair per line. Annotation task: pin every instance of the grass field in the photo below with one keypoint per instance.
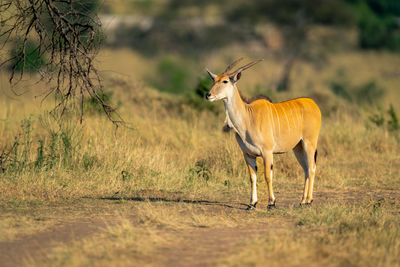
x,y
171,188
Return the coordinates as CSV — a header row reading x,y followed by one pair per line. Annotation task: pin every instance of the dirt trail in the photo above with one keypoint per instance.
x,y
209,246
198,246
37,246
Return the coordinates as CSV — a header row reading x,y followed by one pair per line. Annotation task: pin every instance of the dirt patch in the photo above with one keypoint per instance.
x,y
193,245
37,246
207,247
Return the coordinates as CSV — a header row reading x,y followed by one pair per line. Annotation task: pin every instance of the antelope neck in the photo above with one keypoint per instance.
x,y
236,112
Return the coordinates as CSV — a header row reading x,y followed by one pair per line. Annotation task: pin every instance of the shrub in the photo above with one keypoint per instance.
x,y
92,105
367,93
196,99
171,76
389,119
34,61
341,89
58,148
378,24
200,172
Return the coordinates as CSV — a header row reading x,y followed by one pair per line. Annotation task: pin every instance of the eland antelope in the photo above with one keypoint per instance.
x,y
264,128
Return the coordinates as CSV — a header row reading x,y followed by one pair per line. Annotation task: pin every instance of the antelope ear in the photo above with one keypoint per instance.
x,y
212,75
236,77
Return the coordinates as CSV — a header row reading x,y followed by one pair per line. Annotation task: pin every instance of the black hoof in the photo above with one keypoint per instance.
x,y
252,206
272,206
306,204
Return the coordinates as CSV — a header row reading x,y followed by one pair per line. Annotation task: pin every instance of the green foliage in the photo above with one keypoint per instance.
x,y
287,12
368,93
145,6
171,76
365,94
79,12
92,105
196,98
378,118
340,88
200,172
88,161
204,85
393,122
40,155
19,156
59,148
389,119
34,61
378,24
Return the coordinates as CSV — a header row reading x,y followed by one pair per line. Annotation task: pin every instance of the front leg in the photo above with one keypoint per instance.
x,y
252,166
268,171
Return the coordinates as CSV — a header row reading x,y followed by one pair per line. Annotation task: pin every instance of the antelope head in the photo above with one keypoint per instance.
x,y
224,84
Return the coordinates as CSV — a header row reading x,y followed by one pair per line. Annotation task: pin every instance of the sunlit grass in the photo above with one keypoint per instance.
x,y
359,234
172,156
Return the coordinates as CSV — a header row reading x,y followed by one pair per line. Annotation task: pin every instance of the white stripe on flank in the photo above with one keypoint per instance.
x,y
291,114
279,122
297,116
272,120
287,119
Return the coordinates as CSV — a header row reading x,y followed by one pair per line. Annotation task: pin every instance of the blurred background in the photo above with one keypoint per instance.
x,y
151,58
342,53
345,54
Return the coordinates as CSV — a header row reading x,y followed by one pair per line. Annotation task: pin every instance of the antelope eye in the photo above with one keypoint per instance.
x,y
225,81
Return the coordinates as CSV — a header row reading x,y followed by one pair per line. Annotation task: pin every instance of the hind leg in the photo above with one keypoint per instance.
x,y
306,155
301,156
311,152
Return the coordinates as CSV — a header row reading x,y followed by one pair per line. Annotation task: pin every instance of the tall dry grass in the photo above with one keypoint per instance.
x,y
359,234
170,146
171,150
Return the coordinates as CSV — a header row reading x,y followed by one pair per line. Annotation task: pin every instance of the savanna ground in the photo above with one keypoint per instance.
x,y
171,188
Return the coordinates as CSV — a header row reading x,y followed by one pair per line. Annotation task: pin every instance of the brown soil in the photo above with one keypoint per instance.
x,y
37,246
198,247
208,246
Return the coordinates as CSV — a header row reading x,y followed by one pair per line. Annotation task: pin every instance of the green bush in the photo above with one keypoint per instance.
x,y
378,32
365,94
340,88
171,76
388,119
92,105
368,93
196,98
200,172
79,12
378,23
33,60
59,148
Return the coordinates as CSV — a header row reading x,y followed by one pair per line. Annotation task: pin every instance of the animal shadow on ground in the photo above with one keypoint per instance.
x,y
177,199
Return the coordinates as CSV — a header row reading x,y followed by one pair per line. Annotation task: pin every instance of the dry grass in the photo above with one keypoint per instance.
x,y
118,245
361,234
175,155
12,227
